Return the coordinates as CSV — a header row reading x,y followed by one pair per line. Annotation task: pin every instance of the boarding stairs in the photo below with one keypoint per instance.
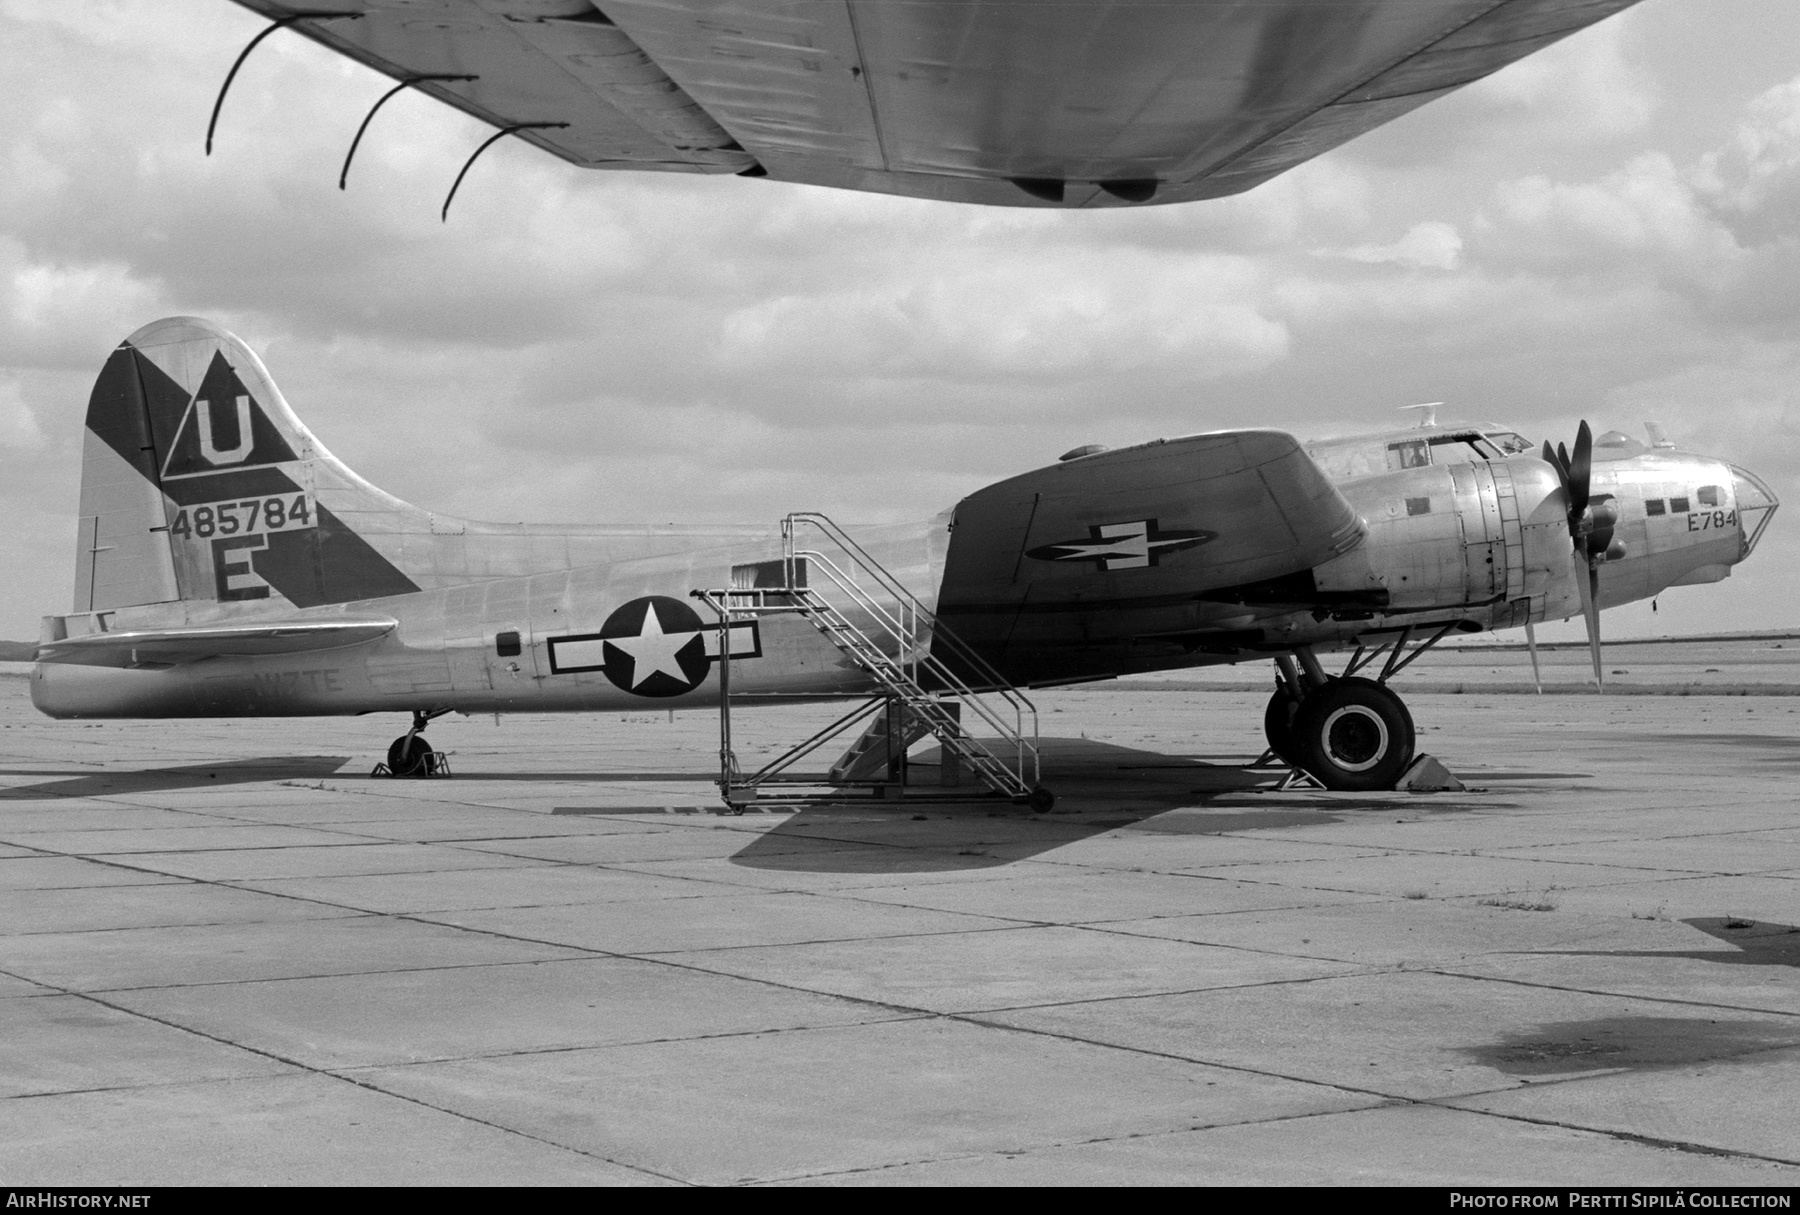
x,y
926,680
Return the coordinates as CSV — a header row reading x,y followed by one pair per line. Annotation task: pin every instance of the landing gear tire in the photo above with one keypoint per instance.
x,y
1040,800
1353,735
1278,725
411,755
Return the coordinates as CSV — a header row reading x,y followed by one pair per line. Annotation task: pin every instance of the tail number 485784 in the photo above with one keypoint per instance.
x,y
282,513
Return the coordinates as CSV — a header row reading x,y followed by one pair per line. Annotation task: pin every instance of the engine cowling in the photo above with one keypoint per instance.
x,y
1459,535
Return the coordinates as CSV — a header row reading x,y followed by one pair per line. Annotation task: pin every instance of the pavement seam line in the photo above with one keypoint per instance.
x,y
362,1084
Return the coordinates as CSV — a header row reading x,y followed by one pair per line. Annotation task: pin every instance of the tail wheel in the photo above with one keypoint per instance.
x,y
411,755
1278,724
1353,735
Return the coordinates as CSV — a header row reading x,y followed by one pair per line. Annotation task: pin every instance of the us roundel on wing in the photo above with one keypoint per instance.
x,y
655,646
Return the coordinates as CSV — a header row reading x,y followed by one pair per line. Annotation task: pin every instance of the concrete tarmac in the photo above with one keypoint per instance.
x,y
230,956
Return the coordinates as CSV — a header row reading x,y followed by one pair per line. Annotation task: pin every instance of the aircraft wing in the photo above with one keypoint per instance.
x,y
1148,541
156,648
1078,103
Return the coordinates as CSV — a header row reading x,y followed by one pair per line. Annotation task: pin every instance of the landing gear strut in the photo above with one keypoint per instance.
x,y
1348,732
411,754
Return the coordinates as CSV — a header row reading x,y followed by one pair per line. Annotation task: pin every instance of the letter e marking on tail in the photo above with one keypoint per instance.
x,y
237,579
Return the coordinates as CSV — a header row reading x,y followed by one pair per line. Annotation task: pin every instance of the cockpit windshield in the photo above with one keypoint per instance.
x,y
1509,443
1462,449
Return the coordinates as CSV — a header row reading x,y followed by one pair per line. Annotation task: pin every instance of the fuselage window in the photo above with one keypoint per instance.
x,y
1678,505
506,645
1418,506
1708,495
1654,506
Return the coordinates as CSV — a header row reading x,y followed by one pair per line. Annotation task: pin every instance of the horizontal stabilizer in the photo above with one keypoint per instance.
x,y
158,648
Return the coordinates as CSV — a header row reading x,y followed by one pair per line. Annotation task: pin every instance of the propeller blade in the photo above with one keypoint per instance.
x,y
1562,459
1581,468
1588,580
1553,462
1537,678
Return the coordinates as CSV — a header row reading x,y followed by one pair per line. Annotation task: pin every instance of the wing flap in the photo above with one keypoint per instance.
x,y
158,648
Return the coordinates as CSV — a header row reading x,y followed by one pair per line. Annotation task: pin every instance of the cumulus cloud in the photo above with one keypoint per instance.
x,y
1583,90
19,427
1753,182
1431,245
1645,216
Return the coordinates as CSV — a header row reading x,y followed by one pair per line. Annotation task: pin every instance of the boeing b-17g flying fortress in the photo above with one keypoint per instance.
x,y
229,564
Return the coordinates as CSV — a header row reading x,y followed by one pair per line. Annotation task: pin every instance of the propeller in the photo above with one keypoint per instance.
x,y
1591,523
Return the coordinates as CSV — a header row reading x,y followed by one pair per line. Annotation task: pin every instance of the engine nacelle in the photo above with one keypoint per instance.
x,y
1475,535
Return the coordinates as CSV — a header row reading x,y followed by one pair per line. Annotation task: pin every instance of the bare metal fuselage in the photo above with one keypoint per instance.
x,y
1484,543
441,651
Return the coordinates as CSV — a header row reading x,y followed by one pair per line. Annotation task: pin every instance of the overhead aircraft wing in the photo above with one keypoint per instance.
x,y
156,648
1074,103
1146,541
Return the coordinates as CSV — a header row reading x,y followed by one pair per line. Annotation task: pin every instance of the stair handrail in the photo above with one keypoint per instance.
x,y
898,590
948,678
905,628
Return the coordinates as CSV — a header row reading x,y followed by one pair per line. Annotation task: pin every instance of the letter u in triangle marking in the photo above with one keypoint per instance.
x,y
225,428
209,450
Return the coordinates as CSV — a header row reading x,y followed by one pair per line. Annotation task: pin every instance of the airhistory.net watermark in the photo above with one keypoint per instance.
x,y
59,1200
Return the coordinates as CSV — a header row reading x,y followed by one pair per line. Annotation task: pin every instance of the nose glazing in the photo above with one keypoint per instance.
x,y
1756,504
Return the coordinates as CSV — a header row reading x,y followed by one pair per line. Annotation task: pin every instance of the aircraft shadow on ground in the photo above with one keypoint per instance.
x,y
1099,787
187,776
1752,942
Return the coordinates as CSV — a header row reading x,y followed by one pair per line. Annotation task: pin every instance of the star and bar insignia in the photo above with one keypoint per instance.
x,y
652,646
1138,544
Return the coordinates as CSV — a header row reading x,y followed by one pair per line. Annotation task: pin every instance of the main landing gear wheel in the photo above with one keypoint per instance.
x,y
1353,735
411,755
1040,799
1278,725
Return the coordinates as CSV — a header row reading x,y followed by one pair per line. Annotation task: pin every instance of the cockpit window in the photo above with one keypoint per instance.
x,y
1411,454
1510,443
1465,448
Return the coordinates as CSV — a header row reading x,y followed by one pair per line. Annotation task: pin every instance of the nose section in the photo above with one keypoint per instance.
x,y
1756,504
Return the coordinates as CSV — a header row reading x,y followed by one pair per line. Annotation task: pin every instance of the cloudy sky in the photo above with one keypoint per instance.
x,y
1608,230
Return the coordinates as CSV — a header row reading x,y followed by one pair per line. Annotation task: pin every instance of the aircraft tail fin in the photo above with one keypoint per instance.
x,y
198,483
